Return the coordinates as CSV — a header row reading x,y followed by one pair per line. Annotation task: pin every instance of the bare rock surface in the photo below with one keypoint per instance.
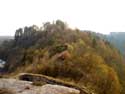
x,y
26,87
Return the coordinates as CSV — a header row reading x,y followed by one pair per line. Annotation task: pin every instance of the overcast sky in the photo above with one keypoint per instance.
x,y
102,16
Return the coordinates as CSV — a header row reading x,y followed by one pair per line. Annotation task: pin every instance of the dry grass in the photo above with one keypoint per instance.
x,y
38,83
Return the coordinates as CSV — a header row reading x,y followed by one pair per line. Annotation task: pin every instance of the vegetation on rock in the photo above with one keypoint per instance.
x,y
71,55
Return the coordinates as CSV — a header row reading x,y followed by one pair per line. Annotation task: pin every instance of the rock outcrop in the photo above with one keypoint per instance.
x,y
50,80
26,87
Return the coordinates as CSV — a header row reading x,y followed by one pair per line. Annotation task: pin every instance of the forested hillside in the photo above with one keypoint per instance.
x,y
3,38
118,40
68,54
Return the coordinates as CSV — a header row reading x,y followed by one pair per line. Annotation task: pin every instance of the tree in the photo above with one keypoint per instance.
x,y
94,42
61,24
18,33
46,26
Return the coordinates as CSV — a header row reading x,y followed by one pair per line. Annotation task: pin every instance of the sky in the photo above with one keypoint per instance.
x,y
102,16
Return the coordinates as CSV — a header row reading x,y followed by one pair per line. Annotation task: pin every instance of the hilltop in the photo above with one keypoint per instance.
x,y
71,55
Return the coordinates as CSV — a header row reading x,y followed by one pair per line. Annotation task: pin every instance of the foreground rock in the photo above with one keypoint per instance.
x,y
50,80
26,87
